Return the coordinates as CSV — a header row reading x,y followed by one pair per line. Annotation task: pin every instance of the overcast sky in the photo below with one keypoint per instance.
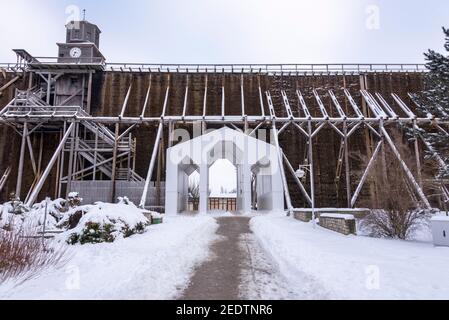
x,y
235,31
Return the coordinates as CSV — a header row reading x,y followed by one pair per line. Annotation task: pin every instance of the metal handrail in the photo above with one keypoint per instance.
x,y
69,60
266,68
236,68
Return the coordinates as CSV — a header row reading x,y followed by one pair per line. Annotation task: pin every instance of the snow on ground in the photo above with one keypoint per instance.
x,y
262,280
353,267
155,265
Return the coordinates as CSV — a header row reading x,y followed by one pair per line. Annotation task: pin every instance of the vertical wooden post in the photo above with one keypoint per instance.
x,y
159,171
134,154
77,145
417,155
48,88
83,92
30,80
61,171
41,152
21,160
204,127
114,163
312,171
281,168
347,169
70,168
89,93
95,156
130,144
368,139
58,166
171,128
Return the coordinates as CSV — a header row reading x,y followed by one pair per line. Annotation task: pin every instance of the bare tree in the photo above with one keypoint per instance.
x,y
399,212
194,194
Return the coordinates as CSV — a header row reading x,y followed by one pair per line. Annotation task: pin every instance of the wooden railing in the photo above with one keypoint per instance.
x,y
232,68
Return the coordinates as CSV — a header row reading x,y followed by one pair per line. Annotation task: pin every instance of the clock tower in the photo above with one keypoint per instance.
x,y
82,44
79,58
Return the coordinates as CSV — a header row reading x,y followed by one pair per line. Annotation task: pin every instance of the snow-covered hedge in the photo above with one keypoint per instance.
x,y
104,222
15,216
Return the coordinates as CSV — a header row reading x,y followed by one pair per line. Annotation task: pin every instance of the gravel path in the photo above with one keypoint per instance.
x,y
238,268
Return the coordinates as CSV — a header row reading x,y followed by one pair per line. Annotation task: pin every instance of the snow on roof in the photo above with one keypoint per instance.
x,y
338,216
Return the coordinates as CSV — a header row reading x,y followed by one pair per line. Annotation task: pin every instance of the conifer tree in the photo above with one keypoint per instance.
x,y
434,101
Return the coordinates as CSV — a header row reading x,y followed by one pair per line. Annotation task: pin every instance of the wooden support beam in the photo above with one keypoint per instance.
x,y
347,168
321,104
262,108
298,182
151,166
147,99
71,97
30,151
62,162
223,100
312,170
7,85
242,90
125,103
303,104
94,173
365,174
282,170
89,93
48,88
70,165
50,165
21,161
409,174
114,164
186,98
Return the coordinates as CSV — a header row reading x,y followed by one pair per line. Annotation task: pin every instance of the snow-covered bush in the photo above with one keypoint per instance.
x,y
74,200
55,212
97,223
104,222
22,257
393,223
15,215
8,217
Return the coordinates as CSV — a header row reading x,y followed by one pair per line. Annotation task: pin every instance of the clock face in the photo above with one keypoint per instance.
x,y
75,52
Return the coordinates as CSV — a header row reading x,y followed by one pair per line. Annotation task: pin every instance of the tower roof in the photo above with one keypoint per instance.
x,y
82,22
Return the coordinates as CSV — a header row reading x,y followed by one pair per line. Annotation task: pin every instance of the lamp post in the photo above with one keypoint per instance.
x,y
301,173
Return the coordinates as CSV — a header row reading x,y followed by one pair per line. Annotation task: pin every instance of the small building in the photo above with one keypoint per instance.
x,y
254,160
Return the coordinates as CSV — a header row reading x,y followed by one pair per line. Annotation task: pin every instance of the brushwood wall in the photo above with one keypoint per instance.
x,y
110,88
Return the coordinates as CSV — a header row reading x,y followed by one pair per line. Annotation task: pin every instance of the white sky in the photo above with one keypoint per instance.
x,y
221,174
235,31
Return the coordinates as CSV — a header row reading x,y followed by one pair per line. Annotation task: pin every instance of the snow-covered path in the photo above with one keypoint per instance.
x,y
266,257
240,269
155,265
261,278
